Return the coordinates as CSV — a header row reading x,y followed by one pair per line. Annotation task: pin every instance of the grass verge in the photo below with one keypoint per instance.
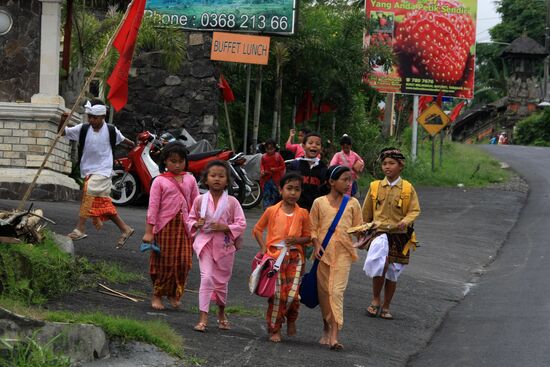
x,y
156,332
464,164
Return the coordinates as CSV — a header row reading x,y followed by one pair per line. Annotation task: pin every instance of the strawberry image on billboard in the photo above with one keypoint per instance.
x,y
433,42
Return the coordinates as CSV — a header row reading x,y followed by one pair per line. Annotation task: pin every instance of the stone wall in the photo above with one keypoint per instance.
x,y
170,101
20,51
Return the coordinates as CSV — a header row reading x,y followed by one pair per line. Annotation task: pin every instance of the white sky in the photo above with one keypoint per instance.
x,y
487,17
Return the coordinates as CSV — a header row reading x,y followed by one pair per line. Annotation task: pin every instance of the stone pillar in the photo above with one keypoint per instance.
x,y
50,37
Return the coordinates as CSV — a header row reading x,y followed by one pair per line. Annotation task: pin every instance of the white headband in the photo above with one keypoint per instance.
x,y
97,110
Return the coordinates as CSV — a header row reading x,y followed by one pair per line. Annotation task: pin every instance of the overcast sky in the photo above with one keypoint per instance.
x,y
487,17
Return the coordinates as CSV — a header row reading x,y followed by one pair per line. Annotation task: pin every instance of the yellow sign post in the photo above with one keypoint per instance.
x,y
433,119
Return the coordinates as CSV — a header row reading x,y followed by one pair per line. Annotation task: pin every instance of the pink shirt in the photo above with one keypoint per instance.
x,y
347,160
166,200
297,149
233,216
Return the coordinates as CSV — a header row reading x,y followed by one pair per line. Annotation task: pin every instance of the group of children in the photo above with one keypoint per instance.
x,y
311,195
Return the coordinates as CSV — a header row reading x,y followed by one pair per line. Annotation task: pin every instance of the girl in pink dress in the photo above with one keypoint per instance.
x,y
170,199
348,158
217,222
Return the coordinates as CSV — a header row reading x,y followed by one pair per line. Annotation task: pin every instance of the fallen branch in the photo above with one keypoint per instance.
x,y
122,295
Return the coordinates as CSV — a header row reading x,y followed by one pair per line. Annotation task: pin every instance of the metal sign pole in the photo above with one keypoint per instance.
x,y
414,146
433,153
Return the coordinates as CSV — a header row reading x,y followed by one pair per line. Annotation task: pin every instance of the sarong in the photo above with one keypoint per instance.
x,y
376,260
331,285
169,268
96,200
286,301
215,276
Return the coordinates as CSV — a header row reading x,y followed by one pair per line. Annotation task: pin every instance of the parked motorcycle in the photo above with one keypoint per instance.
x,y
134,174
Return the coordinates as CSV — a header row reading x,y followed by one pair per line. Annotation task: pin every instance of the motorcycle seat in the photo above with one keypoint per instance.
x,y
199,156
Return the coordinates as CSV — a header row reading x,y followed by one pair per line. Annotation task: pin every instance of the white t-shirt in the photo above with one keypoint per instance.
x,y
97,157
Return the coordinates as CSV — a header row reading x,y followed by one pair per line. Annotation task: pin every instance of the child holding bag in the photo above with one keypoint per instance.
x,y
287,225
336,258
170,199
217,222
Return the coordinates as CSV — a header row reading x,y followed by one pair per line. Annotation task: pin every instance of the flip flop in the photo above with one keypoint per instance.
x,y
336,347
76,235
386,315
224,324
124,237
373,314
200,327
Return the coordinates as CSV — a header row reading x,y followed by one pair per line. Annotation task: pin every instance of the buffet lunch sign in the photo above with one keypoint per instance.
x,y
257,16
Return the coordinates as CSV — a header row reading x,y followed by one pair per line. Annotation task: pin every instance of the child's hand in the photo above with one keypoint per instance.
x,y
402,225
319,251
199,224
292,133
263,173
148,237
219,227
289,241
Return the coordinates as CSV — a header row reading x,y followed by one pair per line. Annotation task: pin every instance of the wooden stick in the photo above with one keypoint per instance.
x,y
75,105
116,292
228,126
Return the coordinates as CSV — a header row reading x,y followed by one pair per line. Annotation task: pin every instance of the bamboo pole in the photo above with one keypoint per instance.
x,y
228,126
75,105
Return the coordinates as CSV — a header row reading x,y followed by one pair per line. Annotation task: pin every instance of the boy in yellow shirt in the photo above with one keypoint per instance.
x,y
393,205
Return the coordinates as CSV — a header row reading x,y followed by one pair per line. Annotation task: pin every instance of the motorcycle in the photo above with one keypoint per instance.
x,y
134,174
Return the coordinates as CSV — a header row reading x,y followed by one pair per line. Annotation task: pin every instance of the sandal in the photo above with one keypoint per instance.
x,y
124,237
386,315
224,324
336,347
200,327
76,235
372,310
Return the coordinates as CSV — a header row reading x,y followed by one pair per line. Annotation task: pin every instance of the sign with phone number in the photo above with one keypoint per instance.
x,y
257,16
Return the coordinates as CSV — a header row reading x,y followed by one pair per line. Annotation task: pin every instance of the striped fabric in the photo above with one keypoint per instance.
x,y
169,269
96,206
286,302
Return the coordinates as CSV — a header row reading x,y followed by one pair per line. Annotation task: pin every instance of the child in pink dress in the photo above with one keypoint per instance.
x,y
170,199
217,221
348,158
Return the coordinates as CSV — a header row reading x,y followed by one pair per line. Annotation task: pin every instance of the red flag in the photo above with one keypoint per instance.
x,y
423,102
125,42
456,111
227,93
305,108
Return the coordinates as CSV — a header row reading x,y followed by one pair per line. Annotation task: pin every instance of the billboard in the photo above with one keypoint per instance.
x,y
433,43
258,16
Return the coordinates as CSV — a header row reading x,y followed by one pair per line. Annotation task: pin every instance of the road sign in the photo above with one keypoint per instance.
x,y
433,119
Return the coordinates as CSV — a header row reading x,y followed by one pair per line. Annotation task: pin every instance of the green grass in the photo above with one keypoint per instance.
x,y
29,353
464,164
155,332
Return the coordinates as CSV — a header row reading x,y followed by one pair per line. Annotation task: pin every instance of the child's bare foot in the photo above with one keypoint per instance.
x,y
174,302
291,329
156,303
275,337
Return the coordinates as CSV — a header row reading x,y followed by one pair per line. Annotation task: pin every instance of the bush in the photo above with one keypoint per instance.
x,y
534,130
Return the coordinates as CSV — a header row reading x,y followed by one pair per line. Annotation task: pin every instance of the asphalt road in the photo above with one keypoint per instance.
x,y
461,231
504,320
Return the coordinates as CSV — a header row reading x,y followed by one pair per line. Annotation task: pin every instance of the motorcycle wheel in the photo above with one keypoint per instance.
x,y
238,189
253,196
125,189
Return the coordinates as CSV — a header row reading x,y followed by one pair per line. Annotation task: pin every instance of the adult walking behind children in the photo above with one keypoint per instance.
x,y
393,205
172,194
217,222
339,254
287,226
97,141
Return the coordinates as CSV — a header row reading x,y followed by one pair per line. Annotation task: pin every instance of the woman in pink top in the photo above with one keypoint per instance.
x,y
170,200
217,222
347,157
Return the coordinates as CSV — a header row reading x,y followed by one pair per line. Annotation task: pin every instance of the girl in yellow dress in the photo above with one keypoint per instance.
x,y
336,259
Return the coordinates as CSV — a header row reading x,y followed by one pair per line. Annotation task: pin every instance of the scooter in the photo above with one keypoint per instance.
x,y
134,174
